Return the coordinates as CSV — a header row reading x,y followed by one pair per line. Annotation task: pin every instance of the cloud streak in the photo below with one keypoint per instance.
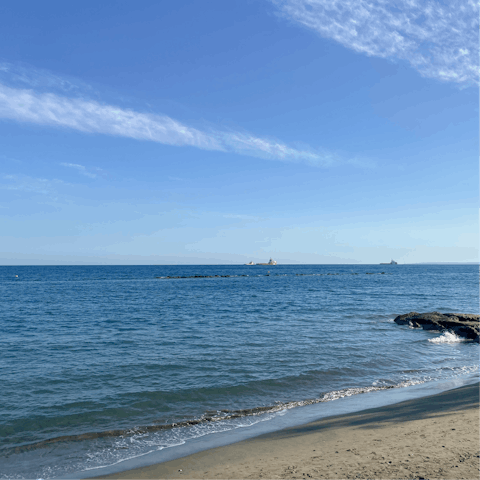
x,y
80,169
438,39
25,183
90,116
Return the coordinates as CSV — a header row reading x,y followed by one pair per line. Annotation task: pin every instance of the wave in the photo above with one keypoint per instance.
x,y
448,337
217,417
111,447
209,417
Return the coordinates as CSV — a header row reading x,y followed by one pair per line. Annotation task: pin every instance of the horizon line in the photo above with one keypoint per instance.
x,y
227,264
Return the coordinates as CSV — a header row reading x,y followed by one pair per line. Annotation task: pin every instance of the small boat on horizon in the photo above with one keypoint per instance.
x,y
392,262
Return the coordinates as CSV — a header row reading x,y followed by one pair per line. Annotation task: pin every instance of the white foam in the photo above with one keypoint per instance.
x,y
448,337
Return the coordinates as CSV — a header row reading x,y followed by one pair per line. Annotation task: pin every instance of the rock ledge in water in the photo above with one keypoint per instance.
x,y
464,325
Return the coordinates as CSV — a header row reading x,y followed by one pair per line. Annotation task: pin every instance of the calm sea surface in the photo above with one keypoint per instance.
x,y
120,363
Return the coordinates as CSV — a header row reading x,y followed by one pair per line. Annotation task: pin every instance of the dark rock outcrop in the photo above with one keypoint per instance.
x,y
464,325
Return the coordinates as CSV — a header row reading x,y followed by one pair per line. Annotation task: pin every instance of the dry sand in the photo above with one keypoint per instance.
x,y
431,437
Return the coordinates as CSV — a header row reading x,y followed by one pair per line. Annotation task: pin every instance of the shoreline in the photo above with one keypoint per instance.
x,y
435,436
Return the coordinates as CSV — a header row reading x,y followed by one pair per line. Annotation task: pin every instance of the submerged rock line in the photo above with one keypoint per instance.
x,y
168,277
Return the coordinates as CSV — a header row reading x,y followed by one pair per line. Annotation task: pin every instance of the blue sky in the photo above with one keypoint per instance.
x,y
312,131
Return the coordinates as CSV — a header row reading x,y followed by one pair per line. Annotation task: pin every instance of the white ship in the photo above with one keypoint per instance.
x,y
392,262
271,262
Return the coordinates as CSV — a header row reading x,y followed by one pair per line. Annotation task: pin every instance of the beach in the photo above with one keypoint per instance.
x,y
227,247
430,437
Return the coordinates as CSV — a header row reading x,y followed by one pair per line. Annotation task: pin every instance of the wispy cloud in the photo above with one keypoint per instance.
x,y
9,159
439,39
90,116
25,183
261,147
40,80
249,218
80,169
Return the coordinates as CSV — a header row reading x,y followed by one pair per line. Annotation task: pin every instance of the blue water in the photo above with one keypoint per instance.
x,y
87,350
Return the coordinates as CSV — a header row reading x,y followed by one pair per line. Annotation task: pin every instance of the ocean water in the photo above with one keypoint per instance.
x,y
100,364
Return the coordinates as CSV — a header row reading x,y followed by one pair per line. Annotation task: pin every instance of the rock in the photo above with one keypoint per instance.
x,y
465,317
464,325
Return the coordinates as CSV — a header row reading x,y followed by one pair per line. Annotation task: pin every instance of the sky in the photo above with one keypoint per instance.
x,y
186,132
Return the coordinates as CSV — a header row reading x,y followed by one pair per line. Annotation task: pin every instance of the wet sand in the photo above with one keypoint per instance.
x,y
434,437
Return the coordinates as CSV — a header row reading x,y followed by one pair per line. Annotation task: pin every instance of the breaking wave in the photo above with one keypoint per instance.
x,y
214,417
448,337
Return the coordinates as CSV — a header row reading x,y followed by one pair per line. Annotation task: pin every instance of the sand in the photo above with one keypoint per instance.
x,y
431,437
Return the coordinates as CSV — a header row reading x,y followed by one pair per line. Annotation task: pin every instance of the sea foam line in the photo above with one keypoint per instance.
x,y
225,415
209,418
144,440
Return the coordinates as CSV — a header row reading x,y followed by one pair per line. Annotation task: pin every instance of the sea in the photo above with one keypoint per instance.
x,y
103,368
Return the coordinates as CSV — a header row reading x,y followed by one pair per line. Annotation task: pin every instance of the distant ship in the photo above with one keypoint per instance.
x,y
271,262
392,262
